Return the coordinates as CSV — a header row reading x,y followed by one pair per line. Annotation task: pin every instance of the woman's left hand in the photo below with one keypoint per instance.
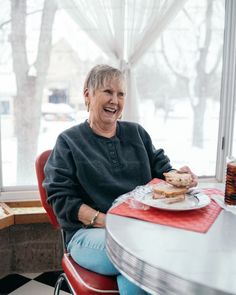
x,y
186,169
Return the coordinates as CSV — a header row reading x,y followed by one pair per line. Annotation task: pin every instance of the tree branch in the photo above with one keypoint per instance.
x,y
188,17
218,59
7,22
171,68
45,38
201,64
18,40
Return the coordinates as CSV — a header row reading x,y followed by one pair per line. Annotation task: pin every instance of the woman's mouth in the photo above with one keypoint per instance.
x,y
110,110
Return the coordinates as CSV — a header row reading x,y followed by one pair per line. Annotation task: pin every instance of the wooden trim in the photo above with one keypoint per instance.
x,y
23,212
7,220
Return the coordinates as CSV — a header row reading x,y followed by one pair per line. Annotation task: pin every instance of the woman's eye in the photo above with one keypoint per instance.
x,y
108,91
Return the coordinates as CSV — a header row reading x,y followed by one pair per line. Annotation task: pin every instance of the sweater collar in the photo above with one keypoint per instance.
x,y
92,133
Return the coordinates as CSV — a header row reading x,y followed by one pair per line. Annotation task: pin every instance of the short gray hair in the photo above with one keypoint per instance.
x,y
101,75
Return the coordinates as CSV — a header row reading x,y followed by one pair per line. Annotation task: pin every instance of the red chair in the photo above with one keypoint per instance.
x,y
79,280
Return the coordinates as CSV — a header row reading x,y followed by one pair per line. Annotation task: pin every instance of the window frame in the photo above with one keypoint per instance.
x,y
228,91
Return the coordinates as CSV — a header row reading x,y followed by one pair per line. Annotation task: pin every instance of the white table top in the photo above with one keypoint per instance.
x,y
167,260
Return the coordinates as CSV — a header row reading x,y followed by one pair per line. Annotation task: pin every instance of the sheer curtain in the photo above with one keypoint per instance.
x,y
123,29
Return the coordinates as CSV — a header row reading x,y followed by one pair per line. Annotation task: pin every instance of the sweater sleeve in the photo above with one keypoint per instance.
x,y
159,161
62,186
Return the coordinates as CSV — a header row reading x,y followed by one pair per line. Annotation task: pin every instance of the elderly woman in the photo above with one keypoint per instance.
x,y
95,162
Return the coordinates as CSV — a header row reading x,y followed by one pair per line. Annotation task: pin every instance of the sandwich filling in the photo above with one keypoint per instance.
x,y
168,192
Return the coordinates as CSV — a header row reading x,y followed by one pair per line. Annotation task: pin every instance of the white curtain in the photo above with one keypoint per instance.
x,y
124,30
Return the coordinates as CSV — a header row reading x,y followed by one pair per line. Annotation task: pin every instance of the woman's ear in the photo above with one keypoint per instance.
x,y
86,92
86,97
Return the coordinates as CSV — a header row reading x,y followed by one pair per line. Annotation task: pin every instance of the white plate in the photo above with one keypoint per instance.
x,y
191,202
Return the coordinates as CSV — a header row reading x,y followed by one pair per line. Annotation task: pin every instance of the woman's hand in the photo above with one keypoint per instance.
x,y
186,169
101,220
86,214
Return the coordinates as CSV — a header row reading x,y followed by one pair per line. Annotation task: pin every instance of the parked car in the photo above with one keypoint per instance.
x,y
57,117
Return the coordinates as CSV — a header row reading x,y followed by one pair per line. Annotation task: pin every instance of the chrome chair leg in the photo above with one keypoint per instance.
x,y
58,285
62,278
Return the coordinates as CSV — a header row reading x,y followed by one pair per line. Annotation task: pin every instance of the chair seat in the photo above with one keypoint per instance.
x,y
86,282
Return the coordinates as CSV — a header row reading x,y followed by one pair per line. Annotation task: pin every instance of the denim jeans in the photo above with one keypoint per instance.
x,y
87,248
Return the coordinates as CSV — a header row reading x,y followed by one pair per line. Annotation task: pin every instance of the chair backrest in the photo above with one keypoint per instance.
x,y
39,166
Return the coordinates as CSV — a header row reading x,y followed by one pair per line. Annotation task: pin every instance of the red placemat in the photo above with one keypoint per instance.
x,y
198,220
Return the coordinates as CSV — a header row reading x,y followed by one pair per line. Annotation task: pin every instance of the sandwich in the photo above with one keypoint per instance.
x,y
178,179
169,193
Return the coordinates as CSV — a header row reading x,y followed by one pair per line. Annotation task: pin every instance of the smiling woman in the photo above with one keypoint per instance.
x,y
93,163
104,96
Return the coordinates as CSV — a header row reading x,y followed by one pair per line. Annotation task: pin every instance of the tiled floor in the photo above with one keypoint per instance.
x,y
30,283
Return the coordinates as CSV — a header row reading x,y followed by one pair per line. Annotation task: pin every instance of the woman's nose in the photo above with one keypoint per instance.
x,y
114,98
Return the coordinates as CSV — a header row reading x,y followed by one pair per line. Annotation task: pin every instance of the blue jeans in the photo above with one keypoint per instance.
x,y
87,248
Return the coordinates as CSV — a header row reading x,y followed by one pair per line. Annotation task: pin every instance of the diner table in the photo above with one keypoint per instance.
x,y
168,260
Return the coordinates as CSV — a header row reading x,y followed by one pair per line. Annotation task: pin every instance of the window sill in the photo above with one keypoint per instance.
x,y
19,195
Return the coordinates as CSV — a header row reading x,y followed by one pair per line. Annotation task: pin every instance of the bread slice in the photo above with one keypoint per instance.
x,y
178,179
176,199
168,191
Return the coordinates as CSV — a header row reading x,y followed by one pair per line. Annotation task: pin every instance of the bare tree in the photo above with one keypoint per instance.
x,y
27,102
198,88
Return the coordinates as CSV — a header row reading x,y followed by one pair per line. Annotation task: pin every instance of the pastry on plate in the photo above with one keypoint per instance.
x,y
178,179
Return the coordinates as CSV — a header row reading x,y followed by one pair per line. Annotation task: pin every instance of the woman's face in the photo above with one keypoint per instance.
x,y
106,104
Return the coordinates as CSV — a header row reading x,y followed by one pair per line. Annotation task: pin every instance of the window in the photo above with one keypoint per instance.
x,y
178,82
181,89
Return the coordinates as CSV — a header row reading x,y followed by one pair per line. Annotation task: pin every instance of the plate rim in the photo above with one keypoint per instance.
x,y
201,203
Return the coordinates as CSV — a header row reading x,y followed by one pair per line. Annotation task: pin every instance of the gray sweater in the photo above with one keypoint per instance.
x,y
85,168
